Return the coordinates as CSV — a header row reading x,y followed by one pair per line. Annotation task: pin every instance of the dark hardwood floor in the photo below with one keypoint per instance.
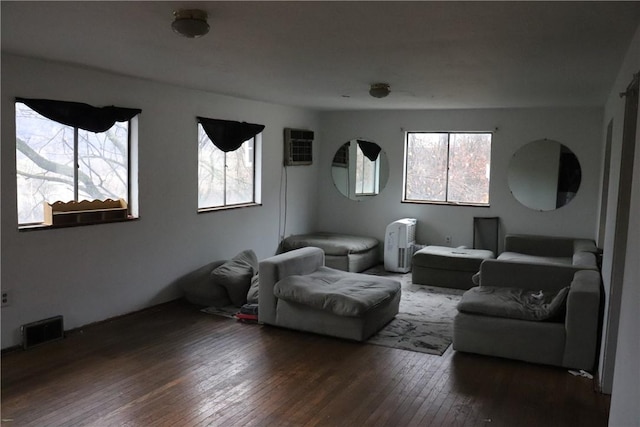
x,y
175,366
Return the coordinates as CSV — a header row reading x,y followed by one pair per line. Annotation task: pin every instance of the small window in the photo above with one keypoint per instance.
x,y
447,167
57,162
226,179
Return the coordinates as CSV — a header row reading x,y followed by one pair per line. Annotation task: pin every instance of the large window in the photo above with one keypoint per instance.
x,y
447,167
61,162
227,177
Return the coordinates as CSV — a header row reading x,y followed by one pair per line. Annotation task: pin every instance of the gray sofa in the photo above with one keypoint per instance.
x,y
298,292
569,341
578,253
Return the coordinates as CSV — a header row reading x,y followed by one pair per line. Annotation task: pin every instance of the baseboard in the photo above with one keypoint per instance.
x,y
72,331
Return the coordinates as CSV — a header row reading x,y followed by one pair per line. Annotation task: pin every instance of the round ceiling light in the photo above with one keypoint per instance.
x,y
190,23
379,90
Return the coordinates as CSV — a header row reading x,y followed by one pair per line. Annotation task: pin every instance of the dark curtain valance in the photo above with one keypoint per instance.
x,y
228,135
83,116
370,149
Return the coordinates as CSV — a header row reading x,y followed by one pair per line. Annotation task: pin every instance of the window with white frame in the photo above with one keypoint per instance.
x,y
227,172
64,162
447,167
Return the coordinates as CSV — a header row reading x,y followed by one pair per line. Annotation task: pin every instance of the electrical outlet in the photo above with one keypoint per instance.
x,y
447,239
6,298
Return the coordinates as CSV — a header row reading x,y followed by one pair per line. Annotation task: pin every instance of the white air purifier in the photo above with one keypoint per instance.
x,y
398,245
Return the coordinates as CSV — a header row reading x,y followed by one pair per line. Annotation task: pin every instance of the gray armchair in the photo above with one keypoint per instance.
x,y
570,342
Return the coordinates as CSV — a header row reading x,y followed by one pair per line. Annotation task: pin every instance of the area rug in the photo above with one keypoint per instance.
x,y
423,324
425,319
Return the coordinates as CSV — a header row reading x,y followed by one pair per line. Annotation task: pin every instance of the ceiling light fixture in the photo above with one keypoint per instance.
x,y
379,90
190,23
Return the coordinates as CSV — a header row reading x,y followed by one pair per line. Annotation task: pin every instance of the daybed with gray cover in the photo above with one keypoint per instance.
x,y
342,251
297,291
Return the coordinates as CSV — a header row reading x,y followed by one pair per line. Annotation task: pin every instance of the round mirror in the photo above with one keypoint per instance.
x,y
544,175
360,169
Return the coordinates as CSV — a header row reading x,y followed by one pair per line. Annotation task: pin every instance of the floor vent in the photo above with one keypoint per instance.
x,y
42,331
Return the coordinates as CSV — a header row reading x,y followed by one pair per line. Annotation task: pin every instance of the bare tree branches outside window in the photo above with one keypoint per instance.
x,y
448,167
225,179
46,168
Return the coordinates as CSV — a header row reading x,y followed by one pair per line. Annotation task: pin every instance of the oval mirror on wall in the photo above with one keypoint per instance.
x,y
544,175
360,169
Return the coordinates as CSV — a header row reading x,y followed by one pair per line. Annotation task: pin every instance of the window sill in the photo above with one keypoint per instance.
x,y
428,202
39,226
224,208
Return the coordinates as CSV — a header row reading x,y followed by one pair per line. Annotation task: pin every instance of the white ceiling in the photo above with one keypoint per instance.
x,y
324,55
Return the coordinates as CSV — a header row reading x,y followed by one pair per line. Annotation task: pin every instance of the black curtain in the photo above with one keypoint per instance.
x,y
370,149
229,135
77,114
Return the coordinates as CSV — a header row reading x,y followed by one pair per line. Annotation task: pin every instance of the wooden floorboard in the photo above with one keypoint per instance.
x,y
173,365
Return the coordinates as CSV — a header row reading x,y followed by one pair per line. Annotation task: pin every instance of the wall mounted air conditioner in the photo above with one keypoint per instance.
x,y
398,245
298,147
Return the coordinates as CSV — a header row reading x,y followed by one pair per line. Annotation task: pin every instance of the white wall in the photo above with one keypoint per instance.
x,y
625,392
580,129
95,272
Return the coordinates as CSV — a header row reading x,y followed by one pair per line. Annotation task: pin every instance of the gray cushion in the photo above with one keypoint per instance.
x,y
345,295
199,288
235,276
447,258
202,292
514,303
476,279
252,295
535,259
585,259
539,245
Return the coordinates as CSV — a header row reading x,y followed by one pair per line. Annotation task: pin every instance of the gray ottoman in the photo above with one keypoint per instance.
x,y
447,267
